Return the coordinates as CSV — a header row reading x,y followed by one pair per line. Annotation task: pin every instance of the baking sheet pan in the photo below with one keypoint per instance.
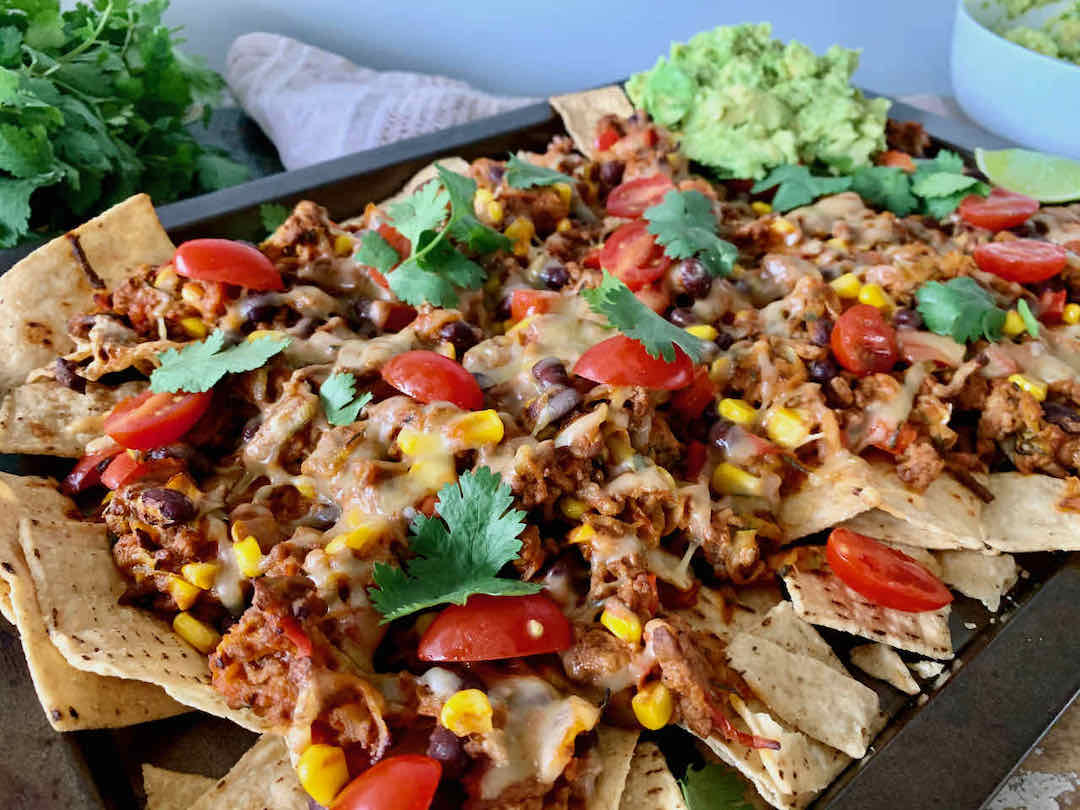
x,y
1015,673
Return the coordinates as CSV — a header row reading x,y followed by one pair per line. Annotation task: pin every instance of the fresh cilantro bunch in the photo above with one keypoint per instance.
x,y
524,174
435,269
684,224
93,104
339,399
199,366
961,309
459,553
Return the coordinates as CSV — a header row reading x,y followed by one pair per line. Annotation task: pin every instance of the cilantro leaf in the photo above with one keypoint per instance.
x,y
714,787
941,207
414,285
375,251
424,210
199,366
885,187
478,237
1028,317
273,216
625,312
944,161
524,174
339,400
961,309
683,222
941,184
459,553
796,186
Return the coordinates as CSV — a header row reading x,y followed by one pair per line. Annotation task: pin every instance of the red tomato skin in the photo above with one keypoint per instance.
x,y
630,199
1051,305
227,261
524,303
1000,211
633,255
491,628
656,296
429,377
622,361
883,575
87,471
691,402
592,259
863,342
124,469
606,139
398,315
1022,260
696,454
405,782
150,420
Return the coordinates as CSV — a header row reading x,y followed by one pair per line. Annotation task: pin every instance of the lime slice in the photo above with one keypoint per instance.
x,y
1047,178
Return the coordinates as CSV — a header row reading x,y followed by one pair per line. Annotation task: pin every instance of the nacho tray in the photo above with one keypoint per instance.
x,y
1014,673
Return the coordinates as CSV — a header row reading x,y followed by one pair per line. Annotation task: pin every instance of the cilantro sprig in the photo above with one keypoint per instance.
x,y
713,787
625,312
199,366
961,309
683,222
339,400
459,552
795,186
523,174
428,218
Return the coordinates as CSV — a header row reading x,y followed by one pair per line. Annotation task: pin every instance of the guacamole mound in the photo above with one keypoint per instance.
x,y
743,102
1058,38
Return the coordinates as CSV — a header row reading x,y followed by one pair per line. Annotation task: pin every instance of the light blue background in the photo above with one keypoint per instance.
x,y
530,47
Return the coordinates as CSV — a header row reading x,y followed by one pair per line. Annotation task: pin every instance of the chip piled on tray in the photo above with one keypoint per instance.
x,y
459,497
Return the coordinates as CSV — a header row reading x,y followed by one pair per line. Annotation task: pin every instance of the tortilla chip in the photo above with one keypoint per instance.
x,y
40,294
172,790
722,617
429,172
78,588
615,747
1025,516
6,610
821,598
784,627
46,418
884,663
651,785
922,556
986,577
581,112
263,779
837,491
814,698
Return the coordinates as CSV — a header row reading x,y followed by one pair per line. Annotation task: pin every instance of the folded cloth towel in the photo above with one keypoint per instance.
x,y
315,105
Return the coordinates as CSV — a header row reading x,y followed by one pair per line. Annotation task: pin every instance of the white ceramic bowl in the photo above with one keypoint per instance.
x,y
1014,92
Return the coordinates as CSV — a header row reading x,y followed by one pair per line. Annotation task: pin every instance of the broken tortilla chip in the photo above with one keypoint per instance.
x,y
884,663
821,598
172,790
615,748
430,172
651,785
986,577
40,294
783,626
262,779
836,491
582,111
6,610
1027,515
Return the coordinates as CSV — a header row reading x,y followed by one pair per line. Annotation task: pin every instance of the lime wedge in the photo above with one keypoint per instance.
x,y
1047,178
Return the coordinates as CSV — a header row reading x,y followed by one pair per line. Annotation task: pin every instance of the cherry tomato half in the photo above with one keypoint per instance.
x,y
1001,210
630,199
429,377
691,402
149,420
489,628
656,296
524,303
634,256
87,471
622,361
225,260
863,342
405,782
883,575
125,468
606,138
1022,260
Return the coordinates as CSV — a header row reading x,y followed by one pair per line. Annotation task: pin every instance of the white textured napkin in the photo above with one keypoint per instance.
x,y
315,105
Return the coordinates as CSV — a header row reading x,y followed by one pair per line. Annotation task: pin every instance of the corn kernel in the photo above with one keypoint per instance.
x,y
760,208
875,296
358,539
248,556
703,331
478,428
573,508
183,592
786,428
323,772
1071,315
181,482
262,333
191,295
166,279
745,539
239,530
1014,324
564,225
200,636
467,712
525,322
582,534
200,574
521,248
838,244
433,473
720,368
418,443
446,349
847,285
520,230
622,622
305,488
1037,388
343,245
727,479
653,706
194,327
738,411
564,191
495,212
782,226
483,197
620,449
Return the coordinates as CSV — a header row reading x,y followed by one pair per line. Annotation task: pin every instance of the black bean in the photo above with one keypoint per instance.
x,y
821,331
682,316
822,371
323,516
907,319
552,405
831,273
554,276
724,340
358,318
64,371
1066,418
445,746
458,333
693,277
250,429
550,371
168,505
611,173
256,309
496,172
718,432
502,309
